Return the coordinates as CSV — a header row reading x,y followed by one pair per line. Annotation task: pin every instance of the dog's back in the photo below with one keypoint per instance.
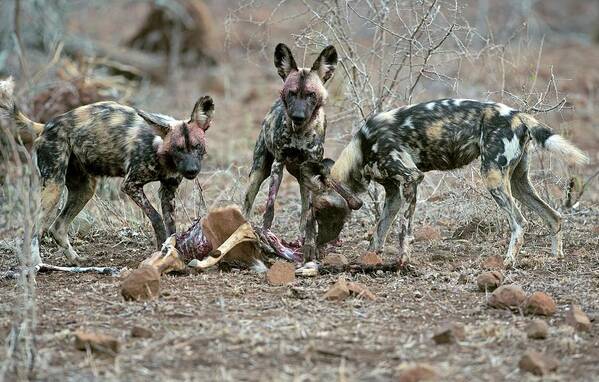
x,y
447,134
103,137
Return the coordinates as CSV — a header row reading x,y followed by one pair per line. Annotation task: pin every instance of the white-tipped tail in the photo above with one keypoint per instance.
x,y
7,102
566,150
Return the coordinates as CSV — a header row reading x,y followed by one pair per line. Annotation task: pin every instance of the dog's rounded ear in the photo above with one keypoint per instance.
x,y
203,111
284,61
325,63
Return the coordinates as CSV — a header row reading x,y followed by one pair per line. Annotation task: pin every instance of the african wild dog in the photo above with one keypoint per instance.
x,y
113,140
292,132
395,149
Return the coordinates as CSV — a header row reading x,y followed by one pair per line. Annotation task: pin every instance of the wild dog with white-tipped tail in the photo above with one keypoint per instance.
x,y
395,149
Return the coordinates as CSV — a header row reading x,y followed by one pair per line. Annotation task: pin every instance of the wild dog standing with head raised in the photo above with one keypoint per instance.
x,y
292,132
114,140
395,149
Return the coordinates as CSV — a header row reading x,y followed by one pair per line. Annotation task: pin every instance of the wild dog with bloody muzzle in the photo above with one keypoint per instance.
x,y
112,140
292,133
395,149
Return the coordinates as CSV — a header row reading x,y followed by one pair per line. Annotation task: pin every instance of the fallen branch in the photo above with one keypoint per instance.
x,y
41,268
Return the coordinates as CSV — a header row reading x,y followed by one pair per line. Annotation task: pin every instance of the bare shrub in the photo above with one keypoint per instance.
x,y
19,213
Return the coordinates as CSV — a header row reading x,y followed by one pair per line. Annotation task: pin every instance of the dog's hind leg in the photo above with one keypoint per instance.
x,y
52,151
524,191
498,184
276,175
81,188
261,167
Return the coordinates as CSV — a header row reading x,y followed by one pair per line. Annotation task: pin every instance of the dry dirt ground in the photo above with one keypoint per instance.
x,y
232,325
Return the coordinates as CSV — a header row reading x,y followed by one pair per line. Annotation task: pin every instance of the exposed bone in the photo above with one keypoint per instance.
x,y
167,259
353,201
244,233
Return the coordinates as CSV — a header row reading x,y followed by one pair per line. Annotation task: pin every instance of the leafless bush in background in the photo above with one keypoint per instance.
x,y
19,214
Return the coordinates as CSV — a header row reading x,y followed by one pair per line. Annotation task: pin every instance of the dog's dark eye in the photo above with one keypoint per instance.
x,y
292,93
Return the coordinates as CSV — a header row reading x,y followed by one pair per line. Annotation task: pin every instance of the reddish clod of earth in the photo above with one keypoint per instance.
x,y
540,303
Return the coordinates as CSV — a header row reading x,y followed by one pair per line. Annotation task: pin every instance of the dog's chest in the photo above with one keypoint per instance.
x,y
293,147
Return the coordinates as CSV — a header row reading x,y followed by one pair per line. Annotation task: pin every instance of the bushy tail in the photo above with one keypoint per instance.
x,y
347,167
553,142
27,130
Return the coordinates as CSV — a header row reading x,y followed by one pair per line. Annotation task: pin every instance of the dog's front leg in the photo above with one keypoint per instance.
x,y
276,176
136,192
309,248
168,188
393,202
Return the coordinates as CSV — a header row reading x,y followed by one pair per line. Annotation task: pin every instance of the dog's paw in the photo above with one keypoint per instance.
x,y
310,252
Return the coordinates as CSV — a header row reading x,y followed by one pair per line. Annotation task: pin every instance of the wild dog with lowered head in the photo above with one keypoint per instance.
x,y
292,132
395,149
112,140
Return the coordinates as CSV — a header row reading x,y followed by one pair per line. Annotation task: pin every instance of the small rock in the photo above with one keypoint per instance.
x,y
281,273
370,258
537,329
338,291
538,363
427,233
578,319
540,303
335,260
493,263
360,290
96,342
450,334
141,284
507,296
489,281
417,373
140,332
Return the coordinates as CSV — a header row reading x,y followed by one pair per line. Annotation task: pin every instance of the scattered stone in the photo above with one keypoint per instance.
x,y
141,284
538,363
578,319
537,329
449,334
96,342
140,332
507,296
493,263
489,281
427,233
418,372
370,258
338,291
540,303
281,273
360,290
335,260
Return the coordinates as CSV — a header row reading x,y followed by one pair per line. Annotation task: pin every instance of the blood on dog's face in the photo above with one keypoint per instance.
x,y
303,91
185,142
